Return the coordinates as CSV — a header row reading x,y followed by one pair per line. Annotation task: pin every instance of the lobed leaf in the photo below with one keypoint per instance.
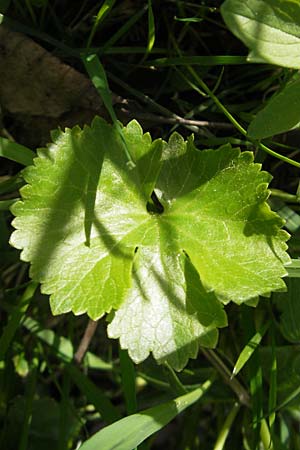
x,y
98,239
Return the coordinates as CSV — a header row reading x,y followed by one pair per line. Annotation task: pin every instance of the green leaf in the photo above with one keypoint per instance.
x,y
128,433
164,244
270,28
281,113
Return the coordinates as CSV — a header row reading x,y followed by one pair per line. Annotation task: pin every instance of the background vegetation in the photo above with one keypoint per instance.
x,y
61,379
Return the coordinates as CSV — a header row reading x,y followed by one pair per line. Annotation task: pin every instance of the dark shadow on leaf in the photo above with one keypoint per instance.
x,y
167,274
258,223
203,302
61,206
113,246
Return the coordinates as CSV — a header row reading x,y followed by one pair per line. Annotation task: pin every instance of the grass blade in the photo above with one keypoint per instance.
x,y
128,381
289,398
36,33
151,28
219,445
222,60
265,436
63,347
98,77
129,432
11,184
64,412
15,318
189,19
29,396
273,383
248,350
291,218
174,381
256,390
293,269
6,204
102,13
104,406
16,152
255,377
123,30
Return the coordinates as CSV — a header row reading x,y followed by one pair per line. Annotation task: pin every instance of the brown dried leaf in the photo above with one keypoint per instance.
x,y
34,82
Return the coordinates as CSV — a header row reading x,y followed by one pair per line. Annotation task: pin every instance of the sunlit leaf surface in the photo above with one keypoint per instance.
x,y
270,28
164,244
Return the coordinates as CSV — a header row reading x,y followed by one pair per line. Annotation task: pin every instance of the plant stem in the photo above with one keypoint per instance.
x,y
291,198
233,383
29,396
220,105
237,125
177,120
175,383
219,445
85,341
